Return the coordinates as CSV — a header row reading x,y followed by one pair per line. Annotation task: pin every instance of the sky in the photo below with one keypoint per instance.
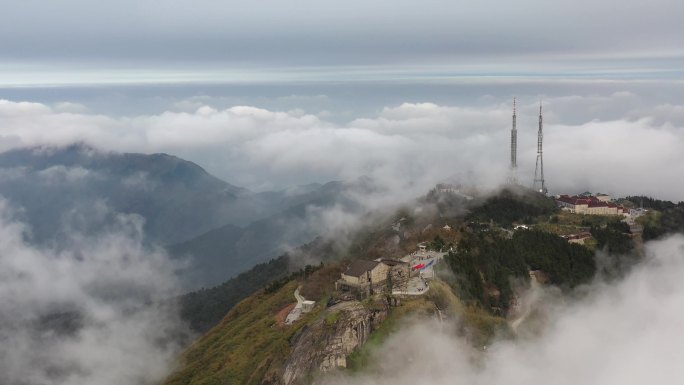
x,y
289,38
272,94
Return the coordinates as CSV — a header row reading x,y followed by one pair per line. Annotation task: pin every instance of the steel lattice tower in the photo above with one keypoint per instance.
x,y
513,178
539,184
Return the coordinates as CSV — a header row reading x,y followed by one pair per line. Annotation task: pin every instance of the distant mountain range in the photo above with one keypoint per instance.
x,y
223,229
230,249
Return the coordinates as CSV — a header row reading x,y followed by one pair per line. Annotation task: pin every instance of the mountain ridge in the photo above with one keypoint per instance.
x,y
218,228
470,292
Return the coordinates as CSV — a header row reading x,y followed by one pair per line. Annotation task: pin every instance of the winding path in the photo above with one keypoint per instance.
x,y
297,311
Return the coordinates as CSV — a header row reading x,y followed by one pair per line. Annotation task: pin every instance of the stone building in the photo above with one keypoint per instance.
x,y
399,274
364,276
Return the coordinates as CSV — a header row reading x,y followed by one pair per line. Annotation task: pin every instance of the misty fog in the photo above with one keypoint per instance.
x,y
93,313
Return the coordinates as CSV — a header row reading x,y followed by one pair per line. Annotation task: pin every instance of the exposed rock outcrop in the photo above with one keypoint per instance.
x,y
325,344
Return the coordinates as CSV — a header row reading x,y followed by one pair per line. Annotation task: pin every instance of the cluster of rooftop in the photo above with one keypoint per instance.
x,y
599,204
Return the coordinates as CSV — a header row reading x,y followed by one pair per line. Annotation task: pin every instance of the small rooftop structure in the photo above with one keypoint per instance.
x,y
447,187
539,275
636,228
577,238
447,227
307,306
360,267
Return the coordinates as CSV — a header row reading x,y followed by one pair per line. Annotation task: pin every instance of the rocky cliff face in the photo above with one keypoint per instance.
x,y
325,344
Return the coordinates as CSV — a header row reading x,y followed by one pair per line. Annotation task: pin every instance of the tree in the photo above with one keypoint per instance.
x,y
437,243
493,260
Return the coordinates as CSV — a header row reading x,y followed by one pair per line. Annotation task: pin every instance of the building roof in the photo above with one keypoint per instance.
x,y
590,201
582,235
360,267
574,200
393,262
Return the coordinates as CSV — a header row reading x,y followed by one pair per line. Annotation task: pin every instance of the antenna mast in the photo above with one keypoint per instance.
x,y
513,178
539,184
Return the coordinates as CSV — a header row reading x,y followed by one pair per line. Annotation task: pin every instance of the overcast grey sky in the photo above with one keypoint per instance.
x,y
270,93
275,39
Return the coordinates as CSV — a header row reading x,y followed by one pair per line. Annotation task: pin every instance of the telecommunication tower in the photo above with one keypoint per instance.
x,y
513,178
539,184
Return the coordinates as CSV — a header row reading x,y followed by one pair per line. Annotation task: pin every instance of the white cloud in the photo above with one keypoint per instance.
x,y
70,107
670,113
88,314
64,174
618,156
632,149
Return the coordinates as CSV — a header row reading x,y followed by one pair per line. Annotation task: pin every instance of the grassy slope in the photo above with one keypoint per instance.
x,y
480,325
247,345
244,347
204,308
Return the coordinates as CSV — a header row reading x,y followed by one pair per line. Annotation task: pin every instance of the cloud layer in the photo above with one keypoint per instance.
x,y
633,148
625,333
86,314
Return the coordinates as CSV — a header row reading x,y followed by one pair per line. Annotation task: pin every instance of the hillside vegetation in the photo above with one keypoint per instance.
x,y
246,347
484,264
474,291
204,308
512,204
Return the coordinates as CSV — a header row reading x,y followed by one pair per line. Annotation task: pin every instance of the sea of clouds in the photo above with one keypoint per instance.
x,y
95,312
610,143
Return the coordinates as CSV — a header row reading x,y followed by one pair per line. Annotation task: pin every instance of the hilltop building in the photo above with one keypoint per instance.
x,y
589,205
577,238
363,274
399,274
368,276
447,188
